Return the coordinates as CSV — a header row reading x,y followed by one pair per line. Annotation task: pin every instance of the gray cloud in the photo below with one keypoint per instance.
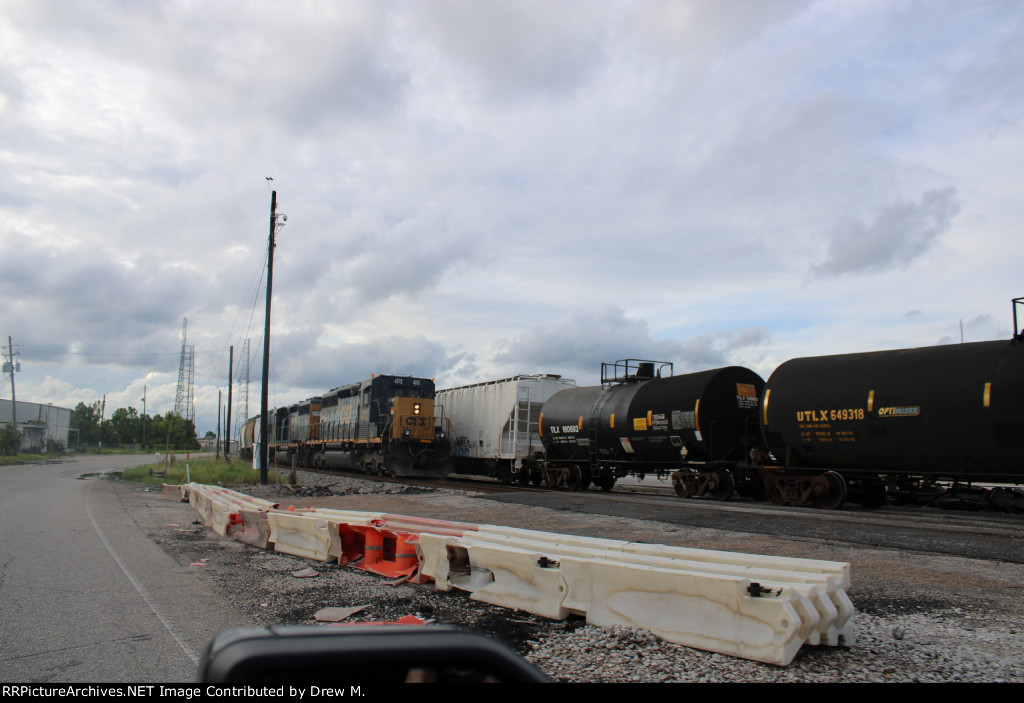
x,y
899,233
981,328
580,341
719,348
453,172
513,50
299,361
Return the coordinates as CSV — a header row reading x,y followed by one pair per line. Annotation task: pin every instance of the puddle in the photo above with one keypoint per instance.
x,y
109,475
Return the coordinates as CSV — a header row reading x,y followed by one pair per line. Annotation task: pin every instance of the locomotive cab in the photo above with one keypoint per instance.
x,y
412,419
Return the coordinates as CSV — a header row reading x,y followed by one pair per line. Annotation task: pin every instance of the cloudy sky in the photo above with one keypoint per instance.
x,y
478,188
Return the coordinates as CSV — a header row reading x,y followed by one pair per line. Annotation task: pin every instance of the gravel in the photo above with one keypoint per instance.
x,y
931,632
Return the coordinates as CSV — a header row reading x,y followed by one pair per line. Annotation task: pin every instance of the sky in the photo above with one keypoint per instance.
x,y
476,189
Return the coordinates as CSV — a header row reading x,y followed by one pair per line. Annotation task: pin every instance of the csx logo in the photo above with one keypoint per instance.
x,y
416,421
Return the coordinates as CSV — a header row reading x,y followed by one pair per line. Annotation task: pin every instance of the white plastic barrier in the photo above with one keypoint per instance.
x,y
836,569
832,602
253,528
310,533
216,505
747,605
176,492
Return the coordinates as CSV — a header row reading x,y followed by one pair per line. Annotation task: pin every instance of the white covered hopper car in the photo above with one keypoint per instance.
x,y
494,425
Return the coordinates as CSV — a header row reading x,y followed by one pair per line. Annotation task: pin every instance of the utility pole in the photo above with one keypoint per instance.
x,y
227,422
143,417
217,442
14,403
264,411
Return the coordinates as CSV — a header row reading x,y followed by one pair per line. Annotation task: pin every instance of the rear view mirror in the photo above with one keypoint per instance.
x,y
341,657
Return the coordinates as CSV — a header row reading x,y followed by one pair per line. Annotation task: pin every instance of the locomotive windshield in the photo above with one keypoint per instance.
x,y
408,393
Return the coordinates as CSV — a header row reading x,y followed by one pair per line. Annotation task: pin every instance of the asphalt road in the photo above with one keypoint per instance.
x,y
87,595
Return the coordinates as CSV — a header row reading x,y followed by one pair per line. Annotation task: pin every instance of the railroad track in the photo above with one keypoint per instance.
x,y
890,516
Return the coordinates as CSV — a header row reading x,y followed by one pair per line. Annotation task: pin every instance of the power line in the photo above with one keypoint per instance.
x,y
252,292
117,354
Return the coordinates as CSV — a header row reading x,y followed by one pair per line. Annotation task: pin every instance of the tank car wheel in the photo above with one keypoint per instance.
x,y
722,486
606,483
523,477
573,478
834,494
537,477
775,492
586,479
681,486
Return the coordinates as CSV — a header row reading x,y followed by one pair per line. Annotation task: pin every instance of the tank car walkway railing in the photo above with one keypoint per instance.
x,y
746,605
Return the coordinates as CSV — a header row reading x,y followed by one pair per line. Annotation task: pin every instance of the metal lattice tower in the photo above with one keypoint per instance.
x,y
243,377
184,401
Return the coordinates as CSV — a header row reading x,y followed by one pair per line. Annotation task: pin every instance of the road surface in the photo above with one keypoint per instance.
x,y
87,595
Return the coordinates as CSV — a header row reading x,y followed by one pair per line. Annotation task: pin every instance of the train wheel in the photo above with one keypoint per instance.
x,y
573,478
606,483
523,477
834,493
682,487
775,492
586,479
552,478
722,486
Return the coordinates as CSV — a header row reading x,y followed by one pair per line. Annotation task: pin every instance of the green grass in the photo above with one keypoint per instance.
x,y
30,458
208,471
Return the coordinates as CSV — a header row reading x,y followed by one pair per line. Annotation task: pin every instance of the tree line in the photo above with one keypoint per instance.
x,y
126,427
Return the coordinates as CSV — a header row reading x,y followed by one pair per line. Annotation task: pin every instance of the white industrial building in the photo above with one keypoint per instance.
x,y
37,423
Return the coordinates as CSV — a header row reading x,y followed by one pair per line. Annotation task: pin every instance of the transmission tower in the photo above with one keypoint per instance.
x,y
243,377
184,402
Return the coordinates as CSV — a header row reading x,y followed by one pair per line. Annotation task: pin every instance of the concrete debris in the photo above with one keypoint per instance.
x,y
337,614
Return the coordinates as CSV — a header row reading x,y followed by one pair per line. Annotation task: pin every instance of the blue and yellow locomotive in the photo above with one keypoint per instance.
x,y
384,425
